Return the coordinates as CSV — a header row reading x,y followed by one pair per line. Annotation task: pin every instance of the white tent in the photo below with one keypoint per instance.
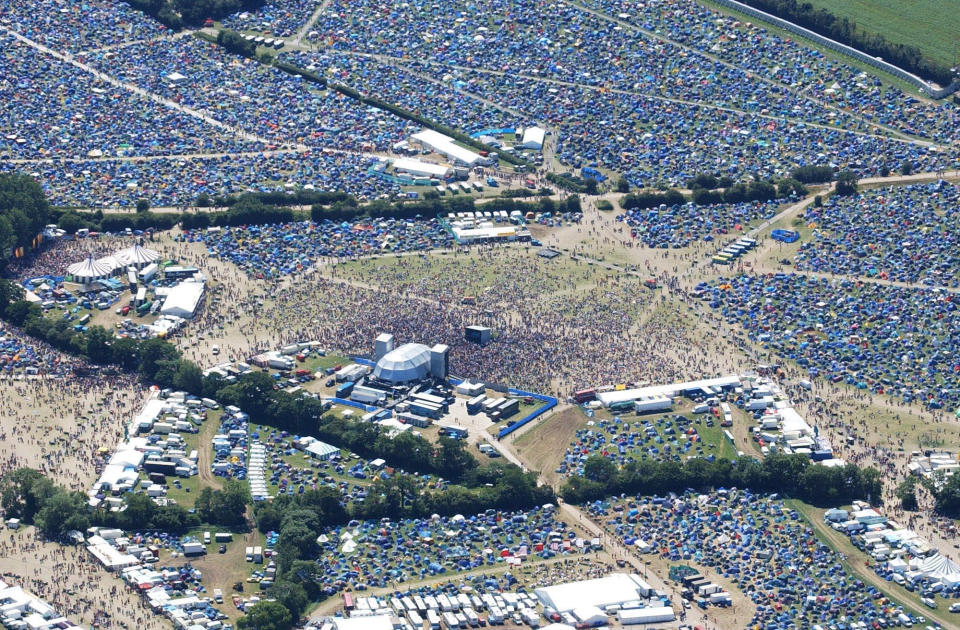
x,y
322,450
939,566
409,362
183,299
90,270
590,616
616,588
137,256
112,262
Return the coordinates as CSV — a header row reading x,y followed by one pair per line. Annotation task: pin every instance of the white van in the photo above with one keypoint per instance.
x,y
206,538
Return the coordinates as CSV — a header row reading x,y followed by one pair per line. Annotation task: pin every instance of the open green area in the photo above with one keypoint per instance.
x,y
920,23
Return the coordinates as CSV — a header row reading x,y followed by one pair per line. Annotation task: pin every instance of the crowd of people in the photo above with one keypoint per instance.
x,y
279,250
378,553
756,542
680,226
903,234
889,340
59,426
73,582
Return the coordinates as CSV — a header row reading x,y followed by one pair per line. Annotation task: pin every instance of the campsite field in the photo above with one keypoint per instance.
x,y
921,23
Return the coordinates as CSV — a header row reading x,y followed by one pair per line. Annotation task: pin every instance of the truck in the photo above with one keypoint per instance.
x,y
584,395
652,403
658,614
194,549
280,363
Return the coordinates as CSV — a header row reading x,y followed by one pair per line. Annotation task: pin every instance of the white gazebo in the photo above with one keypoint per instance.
x,y
138,256
90,270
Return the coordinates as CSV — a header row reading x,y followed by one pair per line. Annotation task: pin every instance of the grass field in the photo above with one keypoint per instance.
x,y
925,24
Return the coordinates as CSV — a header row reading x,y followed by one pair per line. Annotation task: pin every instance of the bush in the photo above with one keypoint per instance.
x,y
812,174
645,200
572,183
604,205
707,182
846,184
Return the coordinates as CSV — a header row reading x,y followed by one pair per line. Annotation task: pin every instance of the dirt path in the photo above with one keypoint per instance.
x,y
207,431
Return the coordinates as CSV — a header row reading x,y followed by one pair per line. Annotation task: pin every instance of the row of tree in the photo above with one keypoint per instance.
x,y
24,212
176,14
792,475
647,199
847,32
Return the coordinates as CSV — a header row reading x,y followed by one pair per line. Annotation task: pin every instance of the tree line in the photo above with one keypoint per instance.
x,y
793,475
848,32
176,14
274,208
24,212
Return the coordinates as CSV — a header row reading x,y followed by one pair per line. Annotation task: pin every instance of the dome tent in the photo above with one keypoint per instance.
x,y
138,256
90,270
409,362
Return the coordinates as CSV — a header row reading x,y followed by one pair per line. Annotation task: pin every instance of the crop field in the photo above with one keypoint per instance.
x,y
920,23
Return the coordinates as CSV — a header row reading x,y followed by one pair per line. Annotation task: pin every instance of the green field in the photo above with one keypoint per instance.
x,y
926,24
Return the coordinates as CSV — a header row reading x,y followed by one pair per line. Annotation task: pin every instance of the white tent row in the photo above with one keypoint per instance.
x,y
90,269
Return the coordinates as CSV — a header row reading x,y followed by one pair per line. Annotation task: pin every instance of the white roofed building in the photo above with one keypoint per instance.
x,y
616,588
445,145
419,168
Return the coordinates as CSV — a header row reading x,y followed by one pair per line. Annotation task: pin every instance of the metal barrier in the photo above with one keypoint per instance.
x,y
551,403
879,64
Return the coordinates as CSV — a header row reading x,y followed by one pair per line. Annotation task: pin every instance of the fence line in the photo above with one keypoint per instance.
x,y
889,68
